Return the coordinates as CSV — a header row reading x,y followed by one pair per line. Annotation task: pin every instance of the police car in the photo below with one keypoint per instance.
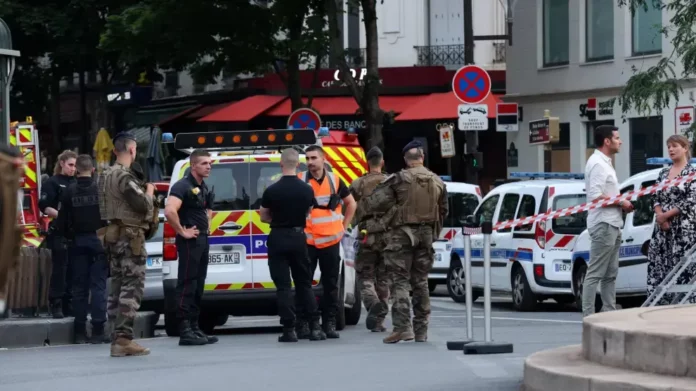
x,y
238,282
463,198
533,262
631,282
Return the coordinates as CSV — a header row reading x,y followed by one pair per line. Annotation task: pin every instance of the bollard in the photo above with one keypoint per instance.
x,y
487,346
459,345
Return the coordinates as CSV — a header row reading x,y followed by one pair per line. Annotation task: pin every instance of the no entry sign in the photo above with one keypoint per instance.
x,y
304,119
471,84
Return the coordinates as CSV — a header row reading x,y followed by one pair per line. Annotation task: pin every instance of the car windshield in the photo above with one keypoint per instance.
x,y
569,225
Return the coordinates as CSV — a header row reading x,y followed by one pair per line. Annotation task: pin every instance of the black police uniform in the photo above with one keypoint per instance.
x,y
59,291
193,253
78,220
289,200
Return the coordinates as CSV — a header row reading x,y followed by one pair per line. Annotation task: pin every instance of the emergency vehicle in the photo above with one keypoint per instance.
x,y
25,136
238,282
532,262
463,198
631,282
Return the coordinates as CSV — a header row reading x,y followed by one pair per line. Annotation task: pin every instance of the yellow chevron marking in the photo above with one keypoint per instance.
x,y
26,133
233,287
256,219
217,219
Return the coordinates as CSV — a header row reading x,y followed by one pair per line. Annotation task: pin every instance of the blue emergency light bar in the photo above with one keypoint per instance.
x,y
323,132
658,161
548,175
167,138
446,178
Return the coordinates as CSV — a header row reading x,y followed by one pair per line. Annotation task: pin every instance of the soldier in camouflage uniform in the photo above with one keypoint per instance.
x,y
128,209
420,200
11,170
369,262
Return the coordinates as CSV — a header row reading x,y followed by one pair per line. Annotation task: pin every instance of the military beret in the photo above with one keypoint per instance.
x,y
411,145
373,153
124,135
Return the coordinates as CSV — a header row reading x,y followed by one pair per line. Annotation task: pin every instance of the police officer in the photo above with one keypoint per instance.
x,y
11,169
285,206
326,224
369,262
188,211
129,210
59,294
79,220
419,199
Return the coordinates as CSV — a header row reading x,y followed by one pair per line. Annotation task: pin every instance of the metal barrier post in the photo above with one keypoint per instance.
x,y
488,346
459,345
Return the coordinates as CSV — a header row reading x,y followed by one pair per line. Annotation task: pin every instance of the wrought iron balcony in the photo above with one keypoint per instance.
x,y
446,55
354,57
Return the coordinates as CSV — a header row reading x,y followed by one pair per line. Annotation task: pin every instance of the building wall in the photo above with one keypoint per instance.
x,y
404,24
562,89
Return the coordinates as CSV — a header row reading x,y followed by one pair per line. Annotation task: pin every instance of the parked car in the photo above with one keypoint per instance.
x,y
153,298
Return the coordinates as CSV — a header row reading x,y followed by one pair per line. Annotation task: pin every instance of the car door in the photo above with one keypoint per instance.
x,y
486,212
501,243
633,265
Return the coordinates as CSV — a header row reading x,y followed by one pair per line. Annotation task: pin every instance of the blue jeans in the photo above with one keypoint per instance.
x,y
90,271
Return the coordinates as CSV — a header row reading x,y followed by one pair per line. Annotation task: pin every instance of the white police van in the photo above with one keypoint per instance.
x,y
462,198
533,262
631,282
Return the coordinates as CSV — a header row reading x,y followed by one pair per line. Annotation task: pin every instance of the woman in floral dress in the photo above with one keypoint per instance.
x,y
675,222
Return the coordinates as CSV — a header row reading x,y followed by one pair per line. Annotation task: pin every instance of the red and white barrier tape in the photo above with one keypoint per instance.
x,y
587,206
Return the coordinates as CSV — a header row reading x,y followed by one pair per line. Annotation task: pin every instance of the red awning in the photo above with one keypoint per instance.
x,y
346,105
244,110
443,106
206,110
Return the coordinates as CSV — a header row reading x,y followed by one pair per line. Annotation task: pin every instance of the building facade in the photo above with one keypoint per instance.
x,y
571,55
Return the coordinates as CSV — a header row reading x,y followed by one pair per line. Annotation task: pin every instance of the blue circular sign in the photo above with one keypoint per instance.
x,y
471,84
304,119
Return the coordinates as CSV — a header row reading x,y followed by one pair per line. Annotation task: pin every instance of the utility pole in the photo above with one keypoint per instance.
x,y
468,32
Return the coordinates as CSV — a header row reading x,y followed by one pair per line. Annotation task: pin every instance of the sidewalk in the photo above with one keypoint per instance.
x,y
42,331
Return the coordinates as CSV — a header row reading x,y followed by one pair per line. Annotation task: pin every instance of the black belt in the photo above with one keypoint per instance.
x,y
295,229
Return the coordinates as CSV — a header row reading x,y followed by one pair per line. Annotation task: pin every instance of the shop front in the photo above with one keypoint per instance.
x,y
642,136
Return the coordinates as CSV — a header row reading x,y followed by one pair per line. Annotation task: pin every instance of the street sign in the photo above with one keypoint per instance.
x,y
507,118
539,131
446,141
683,118
471,84
473,117
304,119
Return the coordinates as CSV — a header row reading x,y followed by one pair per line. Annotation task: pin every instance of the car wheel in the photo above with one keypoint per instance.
x,y
341,314
523,299
171,324
353,314
456,283
579,287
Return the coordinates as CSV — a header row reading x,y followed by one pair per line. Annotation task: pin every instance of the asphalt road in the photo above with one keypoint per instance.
x,y
249,357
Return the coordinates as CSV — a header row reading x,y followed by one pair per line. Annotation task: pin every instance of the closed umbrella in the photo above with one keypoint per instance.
x,y
103,148
154,156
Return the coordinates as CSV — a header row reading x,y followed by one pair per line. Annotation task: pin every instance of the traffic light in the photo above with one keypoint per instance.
x,y
476,160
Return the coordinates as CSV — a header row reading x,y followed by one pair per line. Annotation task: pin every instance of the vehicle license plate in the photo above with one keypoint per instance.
x,y
232,258
562,267
154,263
438,257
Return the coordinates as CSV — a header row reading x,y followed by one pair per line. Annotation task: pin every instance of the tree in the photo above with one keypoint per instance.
x,y
655,87
367,96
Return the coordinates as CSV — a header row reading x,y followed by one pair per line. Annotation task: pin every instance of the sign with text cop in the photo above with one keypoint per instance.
x,y
473,117
446,141
539,131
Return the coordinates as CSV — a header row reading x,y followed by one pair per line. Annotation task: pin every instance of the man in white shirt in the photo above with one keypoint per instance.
x,y
603,224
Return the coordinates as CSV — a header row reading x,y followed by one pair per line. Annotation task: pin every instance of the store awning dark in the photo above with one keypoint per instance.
x,y
203,111
244,110
346,105
443,106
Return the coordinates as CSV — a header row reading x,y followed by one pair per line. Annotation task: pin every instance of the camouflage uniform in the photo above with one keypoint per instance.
x,y
11,171
369,262
128,209
420,200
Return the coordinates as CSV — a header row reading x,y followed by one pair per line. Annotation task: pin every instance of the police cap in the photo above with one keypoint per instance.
x,y
124,135
411,145
374,153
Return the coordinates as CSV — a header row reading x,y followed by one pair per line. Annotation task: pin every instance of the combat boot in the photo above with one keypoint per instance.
x,y
316,333
302,329
98,336
289,335
373,316
197,330
398,336
123,347
57,309
330,328
379,328
421,336
187,337
80,334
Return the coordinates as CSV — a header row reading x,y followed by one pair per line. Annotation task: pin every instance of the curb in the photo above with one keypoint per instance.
x,y
34,332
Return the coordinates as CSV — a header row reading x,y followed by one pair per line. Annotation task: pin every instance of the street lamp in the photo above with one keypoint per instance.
x,y
7,67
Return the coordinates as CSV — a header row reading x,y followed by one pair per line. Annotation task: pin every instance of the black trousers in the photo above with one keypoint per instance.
x,y
329,261
193,269
61,272
287,253
90,271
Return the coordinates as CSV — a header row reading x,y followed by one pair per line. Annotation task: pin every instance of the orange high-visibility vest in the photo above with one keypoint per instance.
x,y
324,227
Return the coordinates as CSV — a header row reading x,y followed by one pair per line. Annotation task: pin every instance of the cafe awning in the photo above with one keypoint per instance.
x,y
441,106
244,110
346,105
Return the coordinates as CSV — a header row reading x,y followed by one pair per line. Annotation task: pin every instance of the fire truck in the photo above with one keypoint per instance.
x,y
25,136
